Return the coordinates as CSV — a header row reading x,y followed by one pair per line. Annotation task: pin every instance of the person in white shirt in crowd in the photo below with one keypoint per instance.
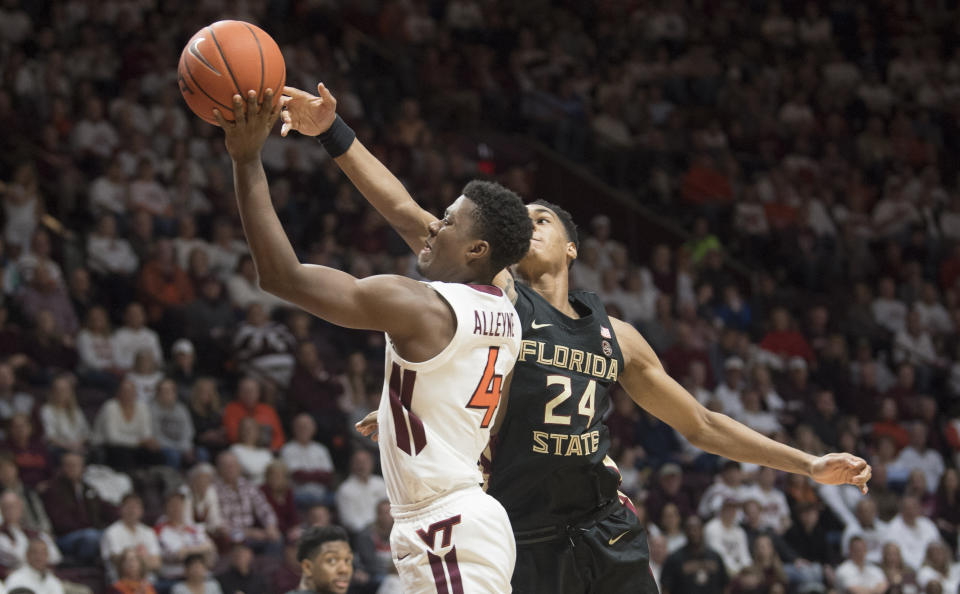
x,y
857,575
934,317
841,501
658,554
108,254
146,193
12,401
179,538
752,414
914,344
226,252
938,568
200,498
94,135
586,276
358,496
888,311
186,240
671,528
134,336
124,427
64,425
774,509
250,452
39,255
310,464
35,575
869,528
244,288
15,538
728,392
638,301
145,375
129,533
918,455
728,485
109,193
96,350
696,383
912,531
724,535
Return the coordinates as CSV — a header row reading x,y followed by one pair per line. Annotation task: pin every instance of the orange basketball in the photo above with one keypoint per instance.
x,y
225,59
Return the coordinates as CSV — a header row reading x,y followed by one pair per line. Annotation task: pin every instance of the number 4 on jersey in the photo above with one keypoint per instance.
x,y
487,394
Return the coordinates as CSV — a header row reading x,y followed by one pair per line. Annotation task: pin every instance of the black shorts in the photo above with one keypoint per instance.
x,y
607,555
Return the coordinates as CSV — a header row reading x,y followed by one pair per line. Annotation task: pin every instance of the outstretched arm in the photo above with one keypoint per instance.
x,y
392,304
659,394
312,115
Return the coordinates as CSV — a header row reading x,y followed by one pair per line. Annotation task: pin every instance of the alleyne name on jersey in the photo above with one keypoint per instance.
x,y
492,323
570,359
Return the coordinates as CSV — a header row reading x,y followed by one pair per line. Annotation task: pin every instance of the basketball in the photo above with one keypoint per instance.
x,y
225,59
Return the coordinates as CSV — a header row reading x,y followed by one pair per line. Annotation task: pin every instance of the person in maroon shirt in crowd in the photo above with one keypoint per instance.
x,y
669,489
678,358
49,350
279,493
77,513
888,423
867,393
661,271
28,451
622,422
286,577
315,391
783,340
904,391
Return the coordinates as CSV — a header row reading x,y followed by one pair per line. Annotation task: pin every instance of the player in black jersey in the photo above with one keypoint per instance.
x,y
549,468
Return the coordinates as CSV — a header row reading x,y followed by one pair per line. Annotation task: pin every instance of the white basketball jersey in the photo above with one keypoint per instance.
x,y
435,416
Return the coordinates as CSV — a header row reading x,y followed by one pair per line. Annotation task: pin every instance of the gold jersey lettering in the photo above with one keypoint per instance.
x,y
539,442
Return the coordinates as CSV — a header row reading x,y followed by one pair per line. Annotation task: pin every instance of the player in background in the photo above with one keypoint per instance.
x,y
449,346
326,561
551,471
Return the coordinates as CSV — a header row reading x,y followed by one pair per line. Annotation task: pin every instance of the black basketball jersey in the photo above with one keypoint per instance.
x,y
548,459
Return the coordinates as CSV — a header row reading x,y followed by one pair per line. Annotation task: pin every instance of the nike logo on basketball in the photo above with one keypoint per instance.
x,y
195,50
613,541
535,326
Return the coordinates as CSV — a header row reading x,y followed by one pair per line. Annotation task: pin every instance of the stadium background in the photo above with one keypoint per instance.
x,y
769,191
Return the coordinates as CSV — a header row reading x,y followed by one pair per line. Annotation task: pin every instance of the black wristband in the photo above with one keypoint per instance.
x,y
338,138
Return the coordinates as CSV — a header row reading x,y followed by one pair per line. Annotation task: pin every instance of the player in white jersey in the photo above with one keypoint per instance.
x,y
450,345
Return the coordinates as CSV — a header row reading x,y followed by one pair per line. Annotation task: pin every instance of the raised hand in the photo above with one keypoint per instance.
x,y
842,469
308,114
252,123
368,426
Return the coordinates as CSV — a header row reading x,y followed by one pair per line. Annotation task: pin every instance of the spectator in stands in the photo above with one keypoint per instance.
x,y
12,401
35,576
754,416
279,494
77,513
172,425
358,495
65,426
242,575
133,337
315,391
808,537
766,573
244,289
208,320
373,548
28,451
197,578
946,512
728,391
129,532
206,416
183,367
163,285
669,489
46,294
918,455
824,419
35,515
15,536
252,455
671,527
247,517
264,349
710,576
869,529
729,485
99,364
899,575
783,340
248,404
724,535
684,352
145,375
888,424
124,427
857,574
310,464
109,256
888,311
938,569
774,509
132,575
912,532
179,539
201,501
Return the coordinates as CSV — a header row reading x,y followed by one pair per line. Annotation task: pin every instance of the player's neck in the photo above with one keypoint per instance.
x,y
555,288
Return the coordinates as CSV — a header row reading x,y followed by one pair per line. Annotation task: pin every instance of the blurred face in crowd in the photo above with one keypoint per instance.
x,y
134,317
196,571
248,392
361,465
200,481
693,528
318,516
37,555
384,519
304,428
858,550
670,518
9,476
21,429
131,511
918,436
11,508
241,558
173,509
331,568
910,508
127,393
72,465
866,512
229,468
248,432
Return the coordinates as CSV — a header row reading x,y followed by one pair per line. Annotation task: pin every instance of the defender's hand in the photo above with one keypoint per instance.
x,y
842,469
368,426
253,121
307,114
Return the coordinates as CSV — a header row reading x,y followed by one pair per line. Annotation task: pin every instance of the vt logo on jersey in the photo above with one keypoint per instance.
x,y
445,527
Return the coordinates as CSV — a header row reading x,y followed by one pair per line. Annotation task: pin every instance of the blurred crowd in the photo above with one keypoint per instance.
x,y
169,426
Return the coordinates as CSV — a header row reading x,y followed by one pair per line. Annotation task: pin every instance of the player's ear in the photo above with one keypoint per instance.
x,y
572,250
306,568
478,249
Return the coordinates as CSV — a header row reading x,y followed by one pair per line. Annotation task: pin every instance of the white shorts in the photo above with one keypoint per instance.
x,y
459,543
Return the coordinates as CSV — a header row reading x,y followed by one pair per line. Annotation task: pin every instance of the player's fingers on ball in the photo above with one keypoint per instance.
x,y
239,110
219,117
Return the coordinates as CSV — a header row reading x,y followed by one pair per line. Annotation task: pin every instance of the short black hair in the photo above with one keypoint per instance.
x,y
502,221
313,538
193,558
566,218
